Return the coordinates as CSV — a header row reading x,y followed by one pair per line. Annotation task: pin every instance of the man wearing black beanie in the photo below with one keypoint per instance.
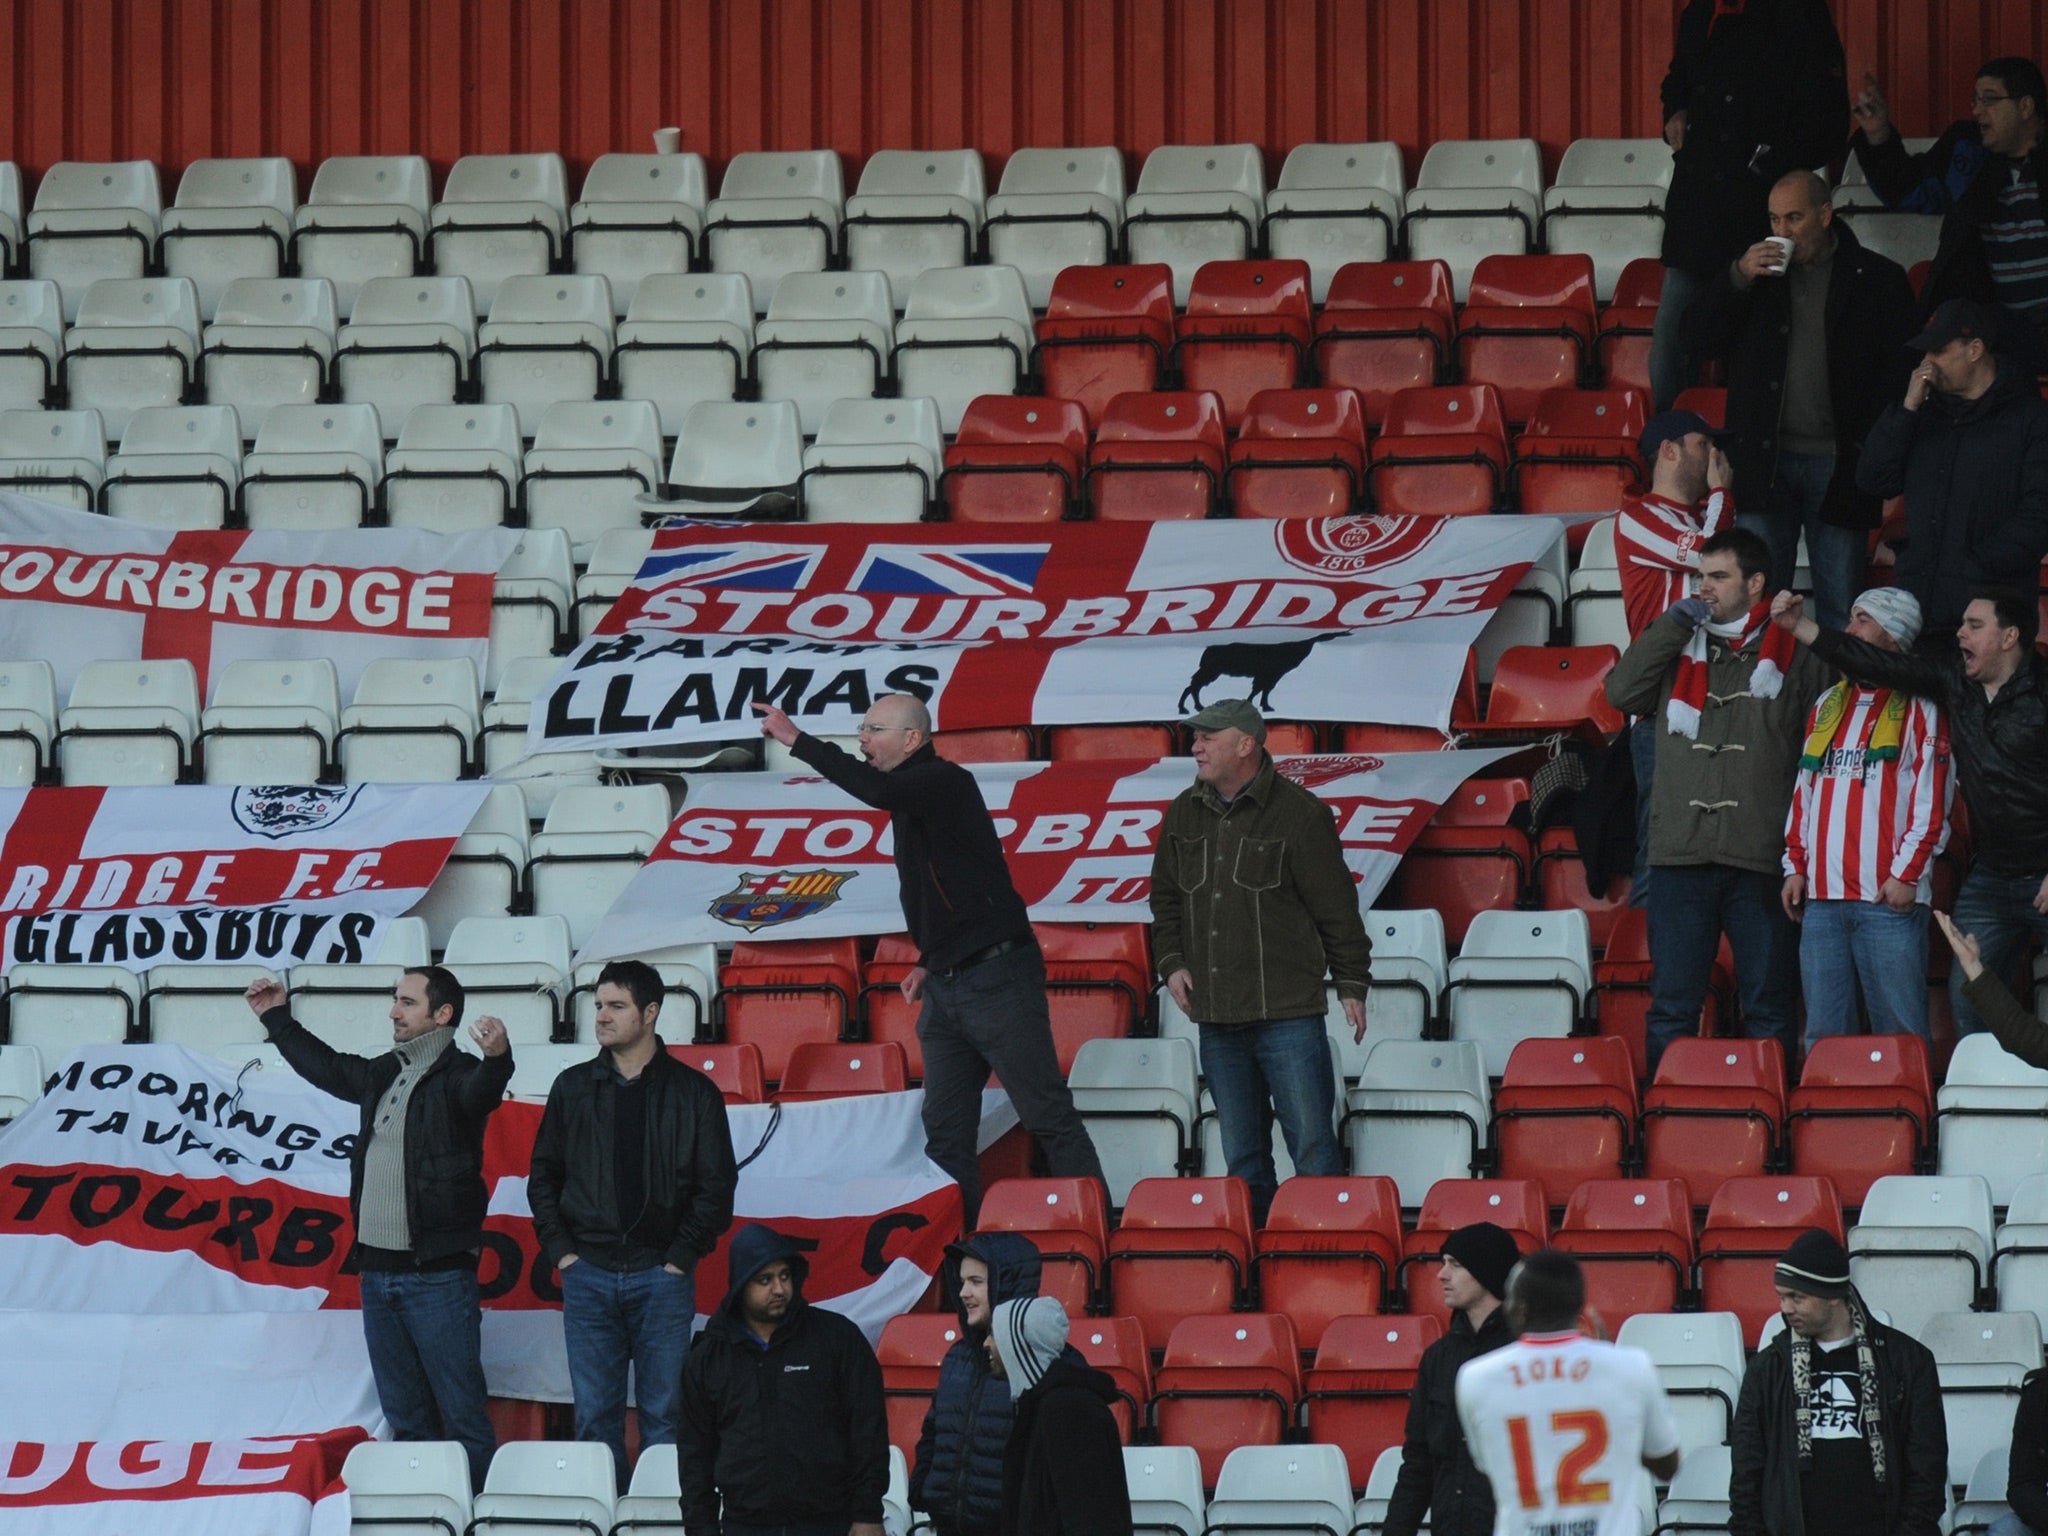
x,y
1839,1431
1437,1477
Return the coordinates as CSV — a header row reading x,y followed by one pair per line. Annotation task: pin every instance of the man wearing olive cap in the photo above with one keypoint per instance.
x,y
1252,905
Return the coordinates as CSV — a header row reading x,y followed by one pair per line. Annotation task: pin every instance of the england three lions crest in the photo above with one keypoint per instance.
x,y
781,896
1352,546
279,811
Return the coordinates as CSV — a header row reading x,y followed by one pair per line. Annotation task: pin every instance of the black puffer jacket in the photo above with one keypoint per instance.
x,y
1063,1474
1975,477
2000,744
793,1432
1870,316
444,1129
1437,1477
1764,93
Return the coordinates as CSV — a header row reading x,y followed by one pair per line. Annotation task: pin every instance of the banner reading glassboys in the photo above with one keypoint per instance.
x,y
787,855
211,874
75,588
1352,618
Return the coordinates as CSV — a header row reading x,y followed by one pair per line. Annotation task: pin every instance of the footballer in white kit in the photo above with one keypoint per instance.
x,y
1562,1425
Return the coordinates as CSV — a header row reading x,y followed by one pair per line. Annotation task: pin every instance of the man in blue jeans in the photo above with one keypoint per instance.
x,y
1252,905
632,1183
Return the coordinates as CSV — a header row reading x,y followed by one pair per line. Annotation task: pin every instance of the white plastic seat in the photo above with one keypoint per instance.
x,y
915,209
1138,1099
502,740
1056,208
653,1501
1608,203
129,722
56,1008
1898,233
91,220
1333,204
1409,970
874,461
1984,1495
1698,1496
1594,608
1419,1113
499,216
826,336
314,466
486,869
1922,1244
10,215
272,721
591,845
21,1080
232,220
689,975
548,339
1196,203
1165,1487
1303,1488
1474,198
411,721
135,344
2020,1249
199,1006
31,342
965,332
537,1487
776,212
687,337
455,468
365,217
589,462
58,456
1699,1359
409,341
180,466
638,215
537,1064
1992,1110
1370,1511
1520,975
531,600
1981,1359
896,1513
614,561
514,967
28,717
729,455
418,1481
271,343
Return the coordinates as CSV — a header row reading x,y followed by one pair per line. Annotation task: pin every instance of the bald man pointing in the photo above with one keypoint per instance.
x,y
980,974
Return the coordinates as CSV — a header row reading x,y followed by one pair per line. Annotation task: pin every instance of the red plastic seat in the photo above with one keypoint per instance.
x,y
1527,327
886,1015
1628,322
1292,738
1561,883
1299,453
1516,1204
1386,326
910,1351
1184,1248
1621,985
1098,978
1245,329
990,744
837,1069
1107,331
1751,1222
782,993
1862,1110
1367,737
1633,1240
1108,743
1565,1112
1709,400
734,1069
1115,1346
1462,871
1158,457
1017,459
1579,451
1358,1389
1442,453
1066,1220
1547,688
1227,1381
1330,1247
1714,1112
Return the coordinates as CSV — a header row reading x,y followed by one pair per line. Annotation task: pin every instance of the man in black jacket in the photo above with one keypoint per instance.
x,y
1438,1478
782,1413
2026,1488
1063,1474
417,1198
631,1185
980,972
1815,350
1839,1429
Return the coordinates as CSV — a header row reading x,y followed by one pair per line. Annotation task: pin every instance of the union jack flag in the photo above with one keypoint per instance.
x,y
763,567
963,570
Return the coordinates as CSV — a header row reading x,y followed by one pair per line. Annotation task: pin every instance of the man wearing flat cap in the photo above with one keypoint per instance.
x,y
1252,906
1839,1431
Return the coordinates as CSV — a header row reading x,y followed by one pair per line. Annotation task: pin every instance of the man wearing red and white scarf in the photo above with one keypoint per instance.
x,y
1869,814
1730,696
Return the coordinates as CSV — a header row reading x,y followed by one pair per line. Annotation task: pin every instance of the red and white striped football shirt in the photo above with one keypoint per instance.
x,y
1657,544
1855,823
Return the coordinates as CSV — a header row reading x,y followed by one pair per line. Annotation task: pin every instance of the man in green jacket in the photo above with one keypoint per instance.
x,y
1252,904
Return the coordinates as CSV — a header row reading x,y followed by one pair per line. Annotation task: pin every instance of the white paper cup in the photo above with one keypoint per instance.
x,y
1784,245
668,141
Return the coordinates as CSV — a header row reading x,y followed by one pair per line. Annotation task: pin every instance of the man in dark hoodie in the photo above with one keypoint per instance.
x,y
782,1415
1438,1478
1063,1474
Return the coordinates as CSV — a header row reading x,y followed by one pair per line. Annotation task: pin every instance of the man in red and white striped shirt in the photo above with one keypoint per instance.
x,y
1869,813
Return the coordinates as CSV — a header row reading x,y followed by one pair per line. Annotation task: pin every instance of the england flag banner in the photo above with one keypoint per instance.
x,y
270,875
789,855
120,591
1346,618
282,1485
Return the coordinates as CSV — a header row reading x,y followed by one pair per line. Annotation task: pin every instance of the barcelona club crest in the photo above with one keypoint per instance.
x,y
781,896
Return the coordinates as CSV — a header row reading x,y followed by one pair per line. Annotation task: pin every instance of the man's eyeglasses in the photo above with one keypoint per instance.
x,y
876,730
1988,101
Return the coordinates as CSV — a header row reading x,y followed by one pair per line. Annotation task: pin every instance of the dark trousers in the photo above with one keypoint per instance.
x,y
1691,906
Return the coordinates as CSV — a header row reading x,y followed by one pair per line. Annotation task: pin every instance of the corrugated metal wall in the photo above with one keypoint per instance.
x,y
178,80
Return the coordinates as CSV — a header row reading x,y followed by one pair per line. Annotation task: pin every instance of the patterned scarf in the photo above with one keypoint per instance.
x,y
1886,724
1689,687
1868,1407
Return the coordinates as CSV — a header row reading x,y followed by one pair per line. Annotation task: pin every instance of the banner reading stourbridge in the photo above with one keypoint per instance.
x,y
1347,618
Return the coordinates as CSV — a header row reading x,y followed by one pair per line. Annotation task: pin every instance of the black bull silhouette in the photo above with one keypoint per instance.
x,y
1262,664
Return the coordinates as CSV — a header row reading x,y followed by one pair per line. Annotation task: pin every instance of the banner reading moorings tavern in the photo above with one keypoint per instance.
x,y
1352,618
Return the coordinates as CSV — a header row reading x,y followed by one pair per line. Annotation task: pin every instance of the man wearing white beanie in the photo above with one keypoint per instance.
x,y
1063,1472
1870,810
